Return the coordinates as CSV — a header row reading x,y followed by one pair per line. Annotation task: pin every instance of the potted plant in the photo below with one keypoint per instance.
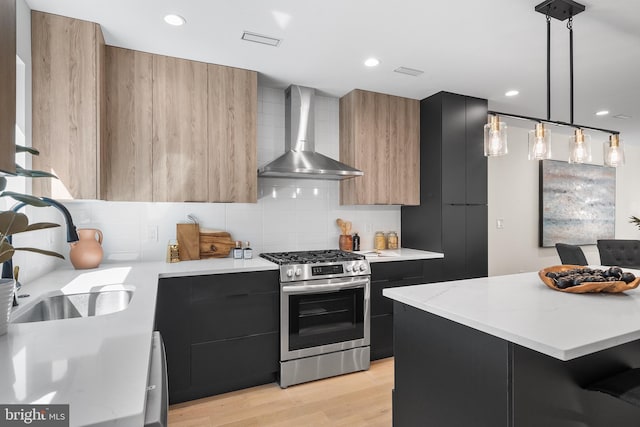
x,y
635,220
11,223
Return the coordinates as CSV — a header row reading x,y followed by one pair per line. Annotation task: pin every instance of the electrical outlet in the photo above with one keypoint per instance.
x,y
152,233
500,223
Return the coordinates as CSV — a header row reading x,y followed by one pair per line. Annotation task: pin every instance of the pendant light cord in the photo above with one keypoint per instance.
x,y
549,67
570,27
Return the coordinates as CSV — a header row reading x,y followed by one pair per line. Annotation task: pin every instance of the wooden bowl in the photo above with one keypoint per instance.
x,y
611,287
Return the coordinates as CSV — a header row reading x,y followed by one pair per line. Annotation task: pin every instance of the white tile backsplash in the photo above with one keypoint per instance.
x,y
291,214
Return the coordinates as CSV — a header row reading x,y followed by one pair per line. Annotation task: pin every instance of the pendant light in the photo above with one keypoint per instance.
x,y
613,151
579,147
495,137
539,143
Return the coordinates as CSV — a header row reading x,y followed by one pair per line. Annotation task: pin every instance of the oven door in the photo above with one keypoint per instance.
x,y
324,316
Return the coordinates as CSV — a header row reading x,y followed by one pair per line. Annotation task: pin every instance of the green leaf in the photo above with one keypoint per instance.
x,y
41,226
26,198
41,251
6,251
23,149
20,171
12,222
3,183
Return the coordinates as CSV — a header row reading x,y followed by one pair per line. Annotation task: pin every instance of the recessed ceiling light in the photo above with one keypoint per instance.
x,y
259,38
602,113
372,62
175,20
511,93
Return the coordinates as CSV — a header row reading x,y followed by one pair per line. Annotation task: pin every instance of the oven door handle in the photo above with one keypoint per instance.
x,y
299,289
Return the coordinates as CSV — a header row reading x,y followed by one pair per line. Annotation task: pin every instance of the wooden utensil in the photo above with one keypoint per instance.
x,y
347,228
215,244
188,236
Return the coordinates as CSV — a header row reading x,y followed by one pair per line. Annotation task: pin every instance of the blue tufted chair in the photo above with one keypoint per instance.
x,y
623,253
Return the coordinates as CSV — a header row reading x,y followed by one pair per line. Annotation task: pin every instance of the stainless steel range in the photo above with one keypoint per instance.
x,y
324,314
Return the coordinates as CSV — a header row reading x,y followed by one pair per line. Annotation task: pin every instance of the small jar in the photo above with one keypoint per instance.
x,y
379,241
392,240
247,252
237,251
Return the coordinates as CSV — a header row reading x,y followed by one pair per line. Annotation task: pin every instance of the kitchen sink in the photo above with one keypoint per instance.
x,y
76,305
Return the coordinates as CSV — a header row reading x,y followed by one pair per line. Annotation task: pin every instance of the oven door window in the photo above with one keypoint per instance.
x,y
317,319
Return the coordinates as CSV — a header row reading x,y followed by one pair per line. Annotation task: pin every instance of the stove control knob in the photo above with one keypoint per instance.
x,y
290,272
298,271
363,267
348,268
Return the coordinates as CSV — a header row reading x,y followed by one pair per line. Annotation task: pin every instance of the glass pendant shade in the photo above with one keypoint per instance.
x,y
495,137
579,147
539,143
613,151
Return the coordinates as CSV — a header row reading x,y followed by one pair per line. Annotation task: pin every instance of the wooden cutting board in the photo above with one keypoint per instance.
x,y
215,244
188,236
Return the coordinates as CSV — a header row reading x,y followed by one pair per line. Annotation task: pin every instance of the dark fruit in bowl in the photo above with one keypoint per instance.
x,y
614,272
564,282
627,277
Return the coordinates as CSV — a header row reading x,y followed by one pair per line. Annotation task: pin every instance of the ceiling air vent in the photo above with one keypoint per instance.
x,y
408,71
621,116
259,38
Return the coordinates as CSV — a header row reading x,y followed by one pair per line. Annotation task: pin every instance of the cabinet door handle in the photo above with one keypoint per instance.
x,y
238,295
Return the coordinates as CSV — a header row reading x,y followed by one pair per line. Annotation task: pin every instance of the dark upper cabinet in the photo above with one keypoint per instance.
x,y
454,151
452,216
463,161
7,86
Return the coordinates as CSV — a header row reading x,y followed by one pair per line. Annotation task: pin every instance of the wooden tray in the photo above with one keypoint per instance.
x,y
215,244
611,287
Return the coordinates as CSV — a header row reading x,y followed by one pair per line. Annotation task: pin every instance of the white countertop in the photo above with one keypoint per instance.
x,y
402,254
99,365
521,309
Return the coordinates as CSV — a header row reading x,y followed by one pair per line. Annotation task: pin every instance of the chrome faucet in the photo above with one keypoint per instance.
x,y
72,236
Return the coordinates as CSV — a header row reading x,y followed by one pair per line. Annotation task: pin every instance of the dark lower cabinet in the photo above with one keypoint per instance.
x,y
221,332
392,274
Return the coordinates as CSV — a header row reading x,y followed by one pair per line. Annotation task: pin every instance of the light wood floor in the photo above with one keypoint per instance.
x,y
358,399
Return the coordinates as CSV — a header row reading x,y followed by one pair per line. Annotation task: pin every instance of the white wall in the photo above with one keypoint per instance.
x,y
513,197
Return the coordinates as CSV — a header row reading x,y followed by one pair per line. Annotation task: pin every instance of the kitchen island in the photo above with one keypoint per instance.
x,y
509,351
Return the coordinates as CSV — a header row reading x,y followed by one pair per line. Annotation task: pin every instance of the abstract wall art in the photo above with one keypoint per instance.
x,y
577,203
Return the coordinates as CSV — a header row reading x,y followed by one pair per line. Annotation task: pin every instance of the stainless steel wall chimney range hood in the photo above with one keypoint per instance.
x,y
300,159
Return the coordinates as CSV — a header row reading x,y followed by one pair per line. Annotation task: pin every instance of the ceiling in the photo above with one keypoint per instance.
x,y
471,47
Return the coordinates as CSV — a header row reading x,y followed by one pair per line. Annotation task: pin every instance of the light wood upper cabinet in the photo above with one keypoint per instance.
x,y
127,155
380,135
68,104
404,151
180,143
7,85
232,134
120,124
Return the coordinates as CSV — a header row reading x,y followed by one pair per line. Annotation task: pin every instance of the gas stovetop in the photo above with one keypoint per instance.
x,y
327,264
311,257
